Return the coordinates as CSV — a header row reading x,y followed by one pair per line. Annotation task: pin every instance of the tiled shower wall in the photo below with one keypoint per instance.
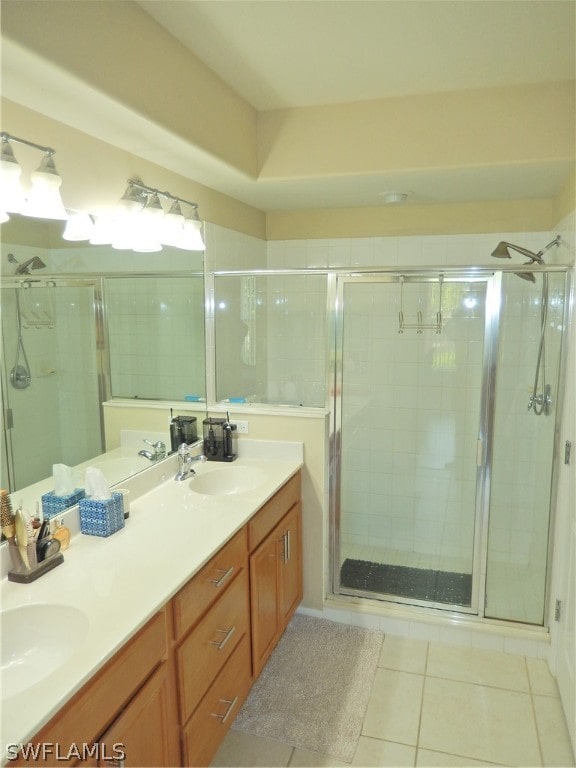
x,y
56,419
156,336
516,534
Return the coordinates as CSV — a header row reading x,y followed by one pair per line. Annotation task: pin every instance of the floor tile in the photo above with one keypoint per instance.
x,y
393,710
403,653
376,752
303,758
242,750
428,759
479,722
477,665
541,681
554,738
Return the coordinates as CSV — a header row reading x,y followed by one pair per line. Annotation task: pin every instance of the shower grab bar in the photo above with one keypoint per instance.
x,y
420,325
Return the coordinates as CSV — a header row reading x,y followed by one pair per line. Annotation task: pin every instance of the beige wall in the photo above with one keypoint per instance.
x,y
95,173
457,218
312,430
117,49
472,128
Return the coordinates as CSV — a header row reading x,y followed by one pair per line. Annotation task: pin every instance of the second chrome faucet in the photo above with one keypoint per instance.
x,y
185,462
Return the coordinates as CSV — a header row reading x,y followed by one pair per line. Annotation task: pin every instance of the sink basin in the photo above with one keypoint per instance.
x,y
36,641
115,470
228,480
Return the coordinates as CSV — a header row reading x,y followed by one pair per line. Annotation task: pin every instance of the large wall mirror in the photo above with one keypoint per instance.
x,y
81,324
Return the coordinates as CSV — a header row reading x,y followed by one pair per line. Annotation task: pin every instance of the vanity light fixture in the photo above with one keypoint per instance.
x,y
80,226
43,198
141,223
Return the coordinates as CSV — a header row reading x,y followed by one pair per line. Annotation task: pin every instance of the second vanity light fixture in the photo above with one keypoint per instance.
x,y
140,223
43,199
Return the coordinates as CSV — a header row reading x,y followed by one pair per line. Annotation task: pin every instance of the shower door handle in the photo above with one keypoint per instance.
x,y
479,452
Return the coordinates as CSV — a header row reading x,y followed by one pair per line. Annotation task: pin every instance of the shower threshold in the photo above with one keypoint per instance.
x,y
403,581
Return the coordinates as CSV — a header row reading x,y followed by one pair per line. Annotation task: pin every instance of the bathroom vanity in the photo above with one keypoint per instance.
x,y
166,692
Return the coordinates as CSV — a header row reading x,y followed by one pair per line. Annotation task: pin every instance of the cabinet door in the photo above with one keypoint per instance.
x,y
144,734
290,564
264,594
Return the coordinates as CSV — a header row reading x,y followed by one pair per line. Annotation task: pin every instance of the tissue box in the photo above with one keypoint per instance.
x,y
101,517
52,505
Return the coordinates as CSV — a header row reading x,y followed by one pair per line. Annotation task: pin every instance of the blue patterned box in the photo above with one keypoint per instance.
x,y
52,505
101,517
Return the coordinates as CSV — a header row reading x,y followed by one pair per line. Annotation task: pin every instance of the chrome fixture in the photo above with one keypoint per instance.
x,y
502,252
43,198
159,451
420,325
539,402
185,461
140,223
24,269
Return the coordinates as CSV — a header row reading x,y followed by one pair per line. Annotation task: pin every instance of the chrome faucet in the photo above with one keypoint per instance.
x,y
185,461
159,451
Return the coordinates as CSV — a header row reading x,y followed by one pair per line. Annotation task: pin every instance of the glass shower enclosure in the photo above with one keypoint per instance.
x,y
443,474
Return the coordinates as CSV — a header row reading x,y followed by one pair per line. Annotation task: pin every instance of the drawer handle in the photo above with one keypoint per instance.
x,y
222,579
287,547
231,705
222,643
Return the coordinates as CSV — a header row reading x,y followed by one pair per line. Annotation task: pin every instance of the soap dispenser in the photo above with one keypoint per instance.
x,y
62,534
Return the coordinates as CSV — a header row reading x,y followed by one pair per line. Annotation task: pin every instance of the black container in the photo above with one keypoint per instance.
x,y
218,439
183,430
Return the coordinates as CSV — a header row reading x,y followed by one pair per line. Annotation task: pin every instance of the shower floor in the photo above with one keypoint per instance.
x,y
403,581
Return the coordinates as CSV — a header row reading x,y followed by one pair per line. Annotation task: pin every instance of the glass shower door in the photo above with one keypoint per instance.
x,y
409,410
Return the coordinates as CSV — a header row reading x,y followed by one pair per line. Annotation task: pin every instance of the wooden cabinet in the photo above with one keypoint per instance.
x,y
212,629
117,694
170,695
275,569
143,735
211,720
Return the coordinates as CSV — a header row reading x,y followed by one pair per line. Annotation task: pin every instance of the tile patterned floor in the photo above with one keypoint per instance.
x,y
434,704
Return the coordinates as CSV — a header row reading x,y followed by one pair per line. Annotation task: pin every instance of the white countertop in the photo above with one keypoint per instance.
x,y
122,581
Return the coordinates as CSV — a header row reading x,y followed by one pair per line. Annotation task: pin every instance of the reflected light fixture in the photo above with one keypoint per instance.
x,y
43,198
140,223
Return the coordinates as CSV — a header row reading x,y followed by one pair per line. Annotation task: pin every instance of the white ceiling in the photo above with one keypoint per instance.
x,y
286,53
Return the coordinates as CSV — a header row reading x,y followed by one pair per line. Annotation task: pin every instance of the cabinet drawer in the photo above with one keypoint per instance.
x,y
212,719
205,651
273,511
209,583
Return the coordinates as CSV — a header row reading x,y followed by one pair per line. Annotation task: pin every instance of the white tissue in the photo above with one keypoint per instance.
x,y
95,484
63,479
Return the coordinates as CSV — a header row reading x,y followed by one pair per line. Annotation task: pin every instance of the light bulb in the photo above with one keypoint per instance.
x,y
78,227
44,201
11,192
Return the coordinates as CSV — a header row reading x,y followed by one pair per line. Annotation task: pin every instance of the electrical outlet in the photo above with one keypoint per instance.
x,y
241,427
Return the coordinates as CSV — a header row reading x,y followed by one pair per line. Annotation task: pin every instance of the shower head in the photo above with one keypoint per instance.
x,y
502,252
24,269
526,276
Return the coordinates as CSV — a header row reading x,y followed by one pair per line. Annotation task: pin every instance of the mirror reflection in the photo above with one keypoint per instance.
x,y
81,324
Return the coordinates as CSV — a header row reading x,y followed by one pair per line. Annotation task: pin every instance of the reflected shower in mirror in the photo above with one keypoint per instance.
x,y
60,360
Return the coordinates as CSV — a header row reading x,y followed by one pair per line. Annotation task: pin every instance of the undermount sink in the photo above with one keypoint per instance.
x,y
36,641
228,480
